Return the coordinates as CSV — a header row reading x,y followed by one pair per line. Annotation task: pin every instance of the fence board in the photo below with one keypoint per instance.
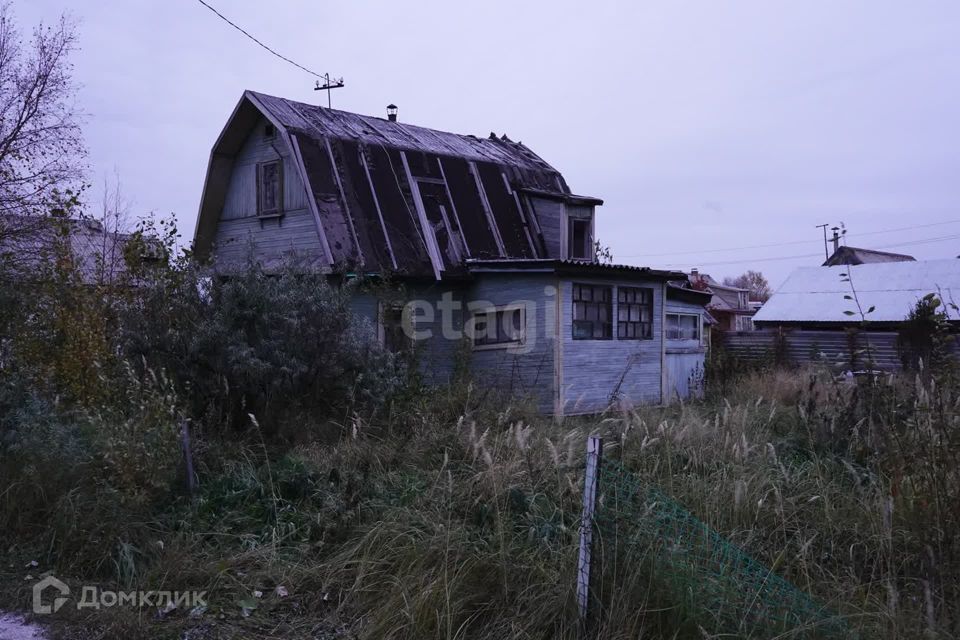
x,y
856,350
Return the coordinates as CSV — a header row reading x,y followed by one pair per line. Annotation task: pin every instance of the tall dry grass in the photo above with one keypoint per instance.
x,y
458,520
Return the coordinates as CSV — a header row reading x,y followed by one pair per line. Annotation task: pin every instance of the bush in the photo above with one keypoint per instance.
x,y
284,347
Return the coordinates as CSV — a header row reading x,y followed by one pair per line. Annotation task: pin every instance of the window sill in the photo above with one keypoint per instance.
x,y
499,346
270,216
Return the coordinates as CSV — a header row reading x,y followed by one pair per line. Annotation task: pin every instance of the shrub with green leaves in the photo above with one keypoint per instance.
x,y
284,347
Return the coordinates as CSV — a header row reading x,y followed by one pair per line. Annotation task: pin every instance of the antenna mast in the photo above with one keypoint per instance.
x,y
336,84
826,253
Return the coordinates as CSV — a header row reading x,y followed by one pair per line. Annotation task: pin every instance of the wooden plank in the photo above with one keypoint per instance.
x,y
590,482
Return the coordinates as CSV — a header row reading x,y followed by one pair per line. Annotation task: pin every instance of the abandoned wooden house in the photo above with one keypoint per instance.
x,y
31,246
494,252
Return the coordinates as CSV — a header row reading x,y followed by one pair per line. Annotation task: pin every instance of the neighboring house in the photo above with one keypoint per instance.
x,y
855,255
848,316
28,244
820,297
494,252
729,306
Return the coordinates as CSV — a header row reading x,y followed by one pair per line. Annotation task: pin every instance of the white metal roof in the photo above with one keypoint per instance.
x,y
816,294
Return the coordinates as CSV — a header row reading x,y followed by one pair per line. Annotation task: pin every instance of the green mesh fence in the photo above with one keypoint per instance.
x,y
723,583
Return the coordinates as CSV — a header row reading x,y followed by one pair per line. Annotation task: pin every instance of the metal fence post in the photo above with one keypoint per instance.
x,y
594,454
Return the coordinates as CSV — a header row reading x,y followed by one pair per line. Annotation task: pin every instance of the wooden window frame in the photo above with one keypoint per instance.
x,y
679,314
382,307
588,304
496,311
626,325
278,211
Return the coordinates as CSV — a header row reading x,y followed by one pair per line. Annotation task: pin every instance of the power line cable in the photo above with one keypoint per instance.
x,y
813,255
244,32
788,243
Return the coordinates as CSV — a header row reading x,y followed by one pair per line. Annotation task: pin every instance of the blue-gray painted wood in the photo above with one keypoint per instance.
x,y
597,373
527,370
592,373
684,359
550,216
272,241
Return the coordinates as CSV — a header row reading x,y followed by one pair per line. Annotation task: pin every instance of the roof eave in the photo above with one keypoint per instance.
x,y
568,267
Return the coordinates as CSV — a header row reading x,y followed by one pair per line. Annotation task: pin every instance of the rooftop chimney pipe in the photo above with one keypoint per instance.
x,y
392,112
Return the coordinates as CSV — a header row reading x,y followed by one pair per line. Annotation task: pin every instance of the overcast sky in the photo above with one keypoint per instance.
x,y
705,126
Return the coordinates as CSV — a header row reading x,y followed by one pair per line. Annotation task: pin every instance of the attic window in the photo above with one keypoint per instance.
x,y
269,131
269,192
581,242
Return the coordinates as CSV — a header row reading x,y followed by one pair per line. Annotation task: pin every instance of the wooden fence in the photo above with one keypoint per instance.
x,y
839,349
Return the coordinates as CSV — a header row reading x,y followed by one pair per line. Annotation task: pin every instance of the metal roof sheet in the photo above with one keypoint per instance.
x,y
816,294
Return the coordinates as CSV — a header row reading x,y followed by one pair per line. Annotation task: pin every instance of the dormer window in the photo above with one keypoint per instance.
x,y
269,188
580,239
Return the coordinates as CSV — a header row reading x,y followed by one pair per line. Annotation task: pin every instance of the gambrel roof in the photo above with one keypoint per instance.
x,y
393,197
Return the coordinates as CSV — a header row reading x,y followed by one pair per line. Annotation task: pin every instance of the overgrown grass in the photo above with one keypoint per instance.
x,y
453,519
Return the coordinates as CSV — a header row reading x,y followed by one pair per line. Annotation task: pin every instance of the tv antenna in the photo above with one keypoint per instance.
x,y
328,85
826,253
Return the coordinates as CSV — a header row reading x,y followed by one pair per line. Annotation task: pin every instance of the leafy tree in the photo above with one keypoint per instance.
x,y
755,282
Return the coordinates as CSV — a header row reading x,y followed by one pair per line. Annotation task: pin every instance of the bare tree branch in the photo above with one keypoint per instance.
x,y
41,147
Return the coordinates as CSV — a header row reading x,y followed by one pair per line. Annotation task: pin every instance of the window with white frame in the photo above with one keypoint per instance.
x,y
498,327
683,326
269,188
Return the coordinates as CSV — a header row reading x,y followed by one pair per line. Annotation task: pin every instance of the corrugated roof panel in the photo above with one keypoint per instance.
x,y
816,294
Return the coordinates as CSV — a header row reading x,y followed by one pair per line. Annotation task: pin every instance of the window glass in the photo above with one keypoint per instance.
x,y
392,332
592,312
634,313
683,326
498,327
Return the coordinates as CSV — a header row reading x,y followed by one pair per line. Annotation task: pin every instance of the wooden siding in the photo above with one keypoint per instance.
x,y
527,372
436,355
684,359
595,373
292,236
273,241
836,349
551,215
241,197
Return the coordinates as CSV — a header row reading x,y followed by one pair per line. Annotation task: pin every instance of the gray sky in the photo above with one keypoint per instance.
x,y
703,125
